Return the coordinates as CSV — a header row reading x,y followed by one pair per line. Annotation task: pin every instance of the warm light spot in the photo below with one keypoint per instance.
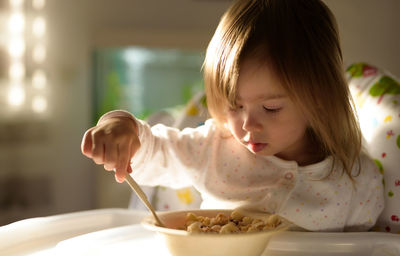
x,y
39,27
17,71
39,53
38,4
16,3
16,96
39,79
16,48
39,104
16,23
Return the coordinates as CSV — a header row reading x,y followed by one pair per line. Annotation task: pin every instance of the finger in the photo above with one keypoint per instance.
x,y
98,149
120,175
119,179
121,169
86,144
110,156
108,168
123,156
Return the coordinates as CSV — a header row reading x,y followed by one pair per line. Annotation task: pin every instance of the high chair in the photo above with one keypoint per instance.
x,y
117,231
377,97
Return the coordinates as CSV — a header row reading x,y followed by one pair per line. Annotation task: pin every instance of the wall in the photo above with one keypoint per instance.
x,y
43,172
369,31
368,28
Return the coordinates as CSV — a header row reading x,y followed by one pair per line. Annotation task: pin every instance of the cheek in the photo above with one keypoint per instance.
x,y
235,126
292,126
297,131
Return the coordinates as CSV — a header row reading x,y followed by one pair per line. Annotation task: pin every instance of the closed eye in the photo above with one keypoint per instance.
x,y
272,110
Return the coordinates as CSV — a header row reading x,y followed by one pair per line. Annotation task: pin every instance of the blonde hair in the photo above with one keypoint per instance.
x,y
299,40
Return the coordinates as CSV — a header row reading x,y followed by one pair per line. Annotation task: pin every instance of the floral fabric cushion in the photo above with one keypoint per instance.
x,y
377,97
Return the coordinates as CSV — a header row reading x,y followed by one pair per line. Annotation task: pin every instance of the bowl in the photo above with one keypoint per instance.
x,y
182,243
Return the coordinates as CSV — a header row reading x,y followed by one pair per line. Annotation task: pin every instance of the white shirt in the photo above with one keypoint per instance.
x,y
228,176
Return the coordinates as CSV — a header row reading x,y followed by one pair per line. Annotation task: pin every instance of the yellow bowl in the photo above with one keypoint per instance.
x,y
182,243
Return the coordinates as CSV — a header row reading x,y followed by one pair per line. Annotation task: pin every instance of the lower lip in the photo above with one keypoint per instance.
x,y
257,147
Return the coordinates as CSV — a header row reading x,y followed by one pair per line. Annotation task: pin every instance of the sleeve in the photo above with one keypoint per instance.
x,y
171,157
168,156
368,197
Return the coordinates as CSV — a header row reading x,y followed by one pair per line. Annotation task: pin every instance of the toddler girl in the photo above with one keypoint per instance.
x,y
283,137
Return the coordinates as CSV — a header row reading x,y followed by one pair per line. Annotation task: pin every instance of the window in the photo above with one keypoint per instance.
x,y
143,80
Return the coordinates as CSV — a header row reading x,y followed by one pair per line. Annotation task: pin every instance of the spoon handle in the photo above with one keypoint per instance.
x,y
132,183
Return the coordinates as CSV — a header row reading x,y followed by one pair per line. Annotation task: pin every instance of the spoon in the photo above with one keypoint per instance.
x,y
135,187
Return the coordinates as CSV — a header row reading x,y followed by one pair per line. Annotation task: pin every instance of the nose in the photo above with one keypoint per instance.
x,y
251,123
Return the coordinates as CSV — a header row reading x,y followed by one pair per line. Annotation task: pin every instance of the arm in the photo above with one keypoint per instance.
x,y
159,155
172,157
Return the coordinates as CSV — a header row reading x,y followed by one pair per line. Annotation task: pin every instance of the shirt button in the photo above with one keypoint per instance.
x,y
289,176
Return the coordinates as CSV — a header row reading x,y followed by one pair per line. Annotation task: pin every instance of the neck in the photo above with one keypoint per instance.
x,y
306,153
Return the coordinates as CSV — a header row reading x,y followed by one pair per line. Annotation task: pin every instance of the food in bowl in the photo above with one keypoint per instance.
x,y
180,242
236,222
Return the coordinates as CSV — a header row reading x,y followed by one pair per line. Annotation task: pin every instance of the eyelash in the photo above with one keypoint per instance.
x,y
269,110
272,110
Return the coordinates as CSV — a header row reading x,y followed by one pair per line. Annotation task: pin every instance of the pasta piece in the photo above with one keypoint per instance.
x,y
235,223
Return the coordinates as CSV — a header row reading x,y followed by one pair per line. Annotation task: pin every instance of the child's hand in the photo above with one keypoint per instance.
x,y
112,142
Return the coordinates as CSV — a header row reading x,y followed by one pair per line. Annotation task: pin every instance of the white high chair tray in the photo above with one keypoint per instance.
x,y
118,232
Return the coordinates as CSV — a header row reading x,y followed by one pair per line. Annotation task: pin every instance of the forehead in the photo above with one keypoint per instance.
x,y
258,81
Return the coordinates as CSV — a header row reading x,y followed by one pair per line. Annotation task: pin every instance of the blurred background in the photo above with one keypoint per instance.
x,y
65,63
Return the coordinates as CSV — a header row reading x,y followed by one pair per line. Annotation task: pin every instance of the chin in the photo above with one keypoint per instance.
x,y
261,153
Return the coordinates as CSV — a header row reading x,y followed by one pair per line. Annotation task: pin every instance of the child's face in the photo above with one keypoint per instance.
x,y
266,121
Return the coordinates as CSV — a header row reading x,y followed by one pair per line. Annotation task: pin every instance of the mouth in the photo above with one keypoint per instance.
x,y
256,147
